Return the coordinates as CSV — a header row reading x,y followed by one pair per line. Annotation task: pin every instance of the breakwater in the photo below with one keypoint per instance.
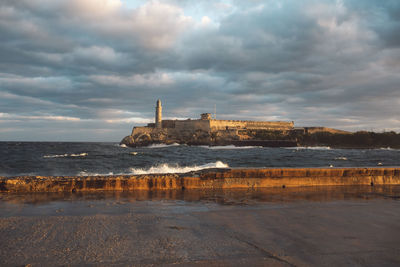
x,y
206,179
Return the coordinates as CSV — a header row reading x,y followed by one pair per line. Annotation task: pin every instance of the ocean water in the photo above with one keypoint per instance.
x,y
70,158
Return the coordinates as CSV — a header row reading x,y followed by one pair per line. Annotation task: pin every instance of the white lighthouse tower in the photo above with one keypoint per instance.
x,y
158,114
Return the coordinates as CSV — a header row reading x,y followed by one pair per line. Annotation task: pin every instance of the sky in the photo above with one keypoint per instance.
x,y
90,70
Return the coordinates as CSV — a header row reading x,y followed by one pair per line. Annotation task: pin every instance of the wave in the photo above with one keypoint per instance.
x,y
66,155
230,147
85,173
309,147
388,148
162,145
341,158
166,168
123,146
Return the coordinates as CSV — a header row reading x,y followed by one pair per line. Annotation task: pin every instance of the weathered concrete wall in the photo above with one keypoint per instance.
x,y
211,179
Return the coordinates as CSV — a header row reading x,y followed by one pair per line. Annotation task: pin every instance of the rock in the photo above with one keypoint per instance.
x,y
128,140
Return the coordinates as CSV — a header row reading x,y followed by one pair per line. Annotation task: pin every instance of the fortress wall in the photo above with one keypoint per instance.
x,y
193,125
222,124
168,123
279,125
272,125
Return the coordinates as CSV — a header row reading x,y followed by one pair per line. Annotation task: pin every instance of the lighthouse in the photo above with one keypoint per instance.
x,y
158,114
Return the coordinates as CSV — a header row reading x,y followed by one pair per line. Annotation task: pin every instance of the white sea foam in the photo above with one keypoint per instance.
x,y
55,156
123,146
166,168
66,155
78,155
341,158
85,173
162,145
230,147
309,147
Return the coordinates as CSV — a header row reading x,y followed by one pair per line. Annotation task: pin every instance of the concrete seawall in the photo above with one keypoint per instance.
x,y
207,179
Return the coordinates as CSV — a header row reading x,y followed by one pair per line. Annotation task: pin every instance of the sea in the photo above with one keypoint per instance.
x,y
108,158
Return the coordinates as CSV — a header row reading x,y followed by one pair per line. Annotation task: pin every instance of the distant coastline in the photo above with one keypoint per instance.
x,y
212,132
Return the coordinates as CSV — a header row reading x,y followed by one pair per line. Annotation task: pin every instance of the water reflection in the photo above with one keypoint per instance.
x,y
219,196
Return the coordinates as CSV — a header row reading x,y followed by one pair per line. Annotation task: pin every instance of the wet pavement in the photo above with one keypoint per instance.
x,y
317,226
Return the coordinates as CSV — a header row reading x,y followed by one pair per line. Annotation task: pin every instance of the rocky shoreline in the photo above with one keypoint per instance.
x,y
357,140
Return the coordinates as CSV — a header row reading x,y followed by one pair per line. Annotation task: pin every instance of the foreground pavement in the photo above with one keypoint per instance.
x,y
330,226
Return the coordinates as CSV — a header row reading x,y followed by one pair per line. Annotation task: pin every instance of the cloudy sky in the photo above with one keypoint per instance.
x,y
89,70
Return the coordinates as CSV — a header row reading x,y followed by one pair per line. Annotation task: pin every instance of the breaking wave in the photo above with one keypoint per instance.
x,y
166,168
162,145
85,173
341,158
230,147
65,155
123,146
309,147
388,148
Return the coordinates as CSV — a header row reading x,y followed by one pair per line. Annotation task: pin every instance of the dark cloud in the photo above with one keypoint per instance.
x,y
90,70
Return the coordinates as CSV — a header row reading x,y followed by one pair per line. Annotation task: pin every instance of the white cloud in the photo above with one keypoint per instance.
x,y
151,79
132,120
97,53
158,25
153,25
7,116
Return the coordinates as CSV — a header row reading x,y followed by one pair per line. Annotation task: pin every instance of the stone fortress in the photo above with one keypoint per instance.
x,y
209,131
